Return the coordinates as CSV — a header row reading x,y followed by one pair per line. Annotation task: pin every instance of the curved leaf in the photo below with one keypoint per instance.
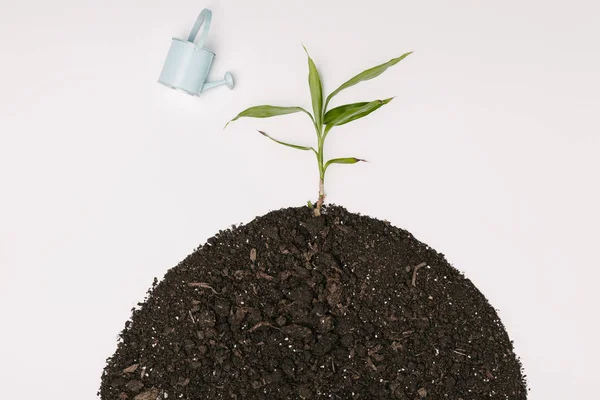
x,y
294,146
333,115
267,111
347,160
316,89
349,112
367,74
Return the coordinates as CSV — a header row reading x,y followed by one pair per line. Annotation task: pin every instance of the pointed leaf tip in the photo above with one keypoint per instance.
x,y
345,160
366,75
316,90
267,111
349,112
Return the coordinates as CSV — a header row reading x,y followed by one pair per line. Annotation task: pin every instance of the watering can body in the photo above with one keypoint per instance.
x,y
188,62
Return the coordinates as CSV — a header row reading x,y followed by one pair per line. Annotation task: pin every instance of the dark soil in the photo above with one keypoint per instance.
x,y
293,306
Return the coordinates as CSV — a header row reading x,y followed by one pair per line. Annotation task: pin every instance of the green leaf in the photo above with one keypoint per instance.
x,y
347,160
367,75
267,111
316,89
349,112
294,146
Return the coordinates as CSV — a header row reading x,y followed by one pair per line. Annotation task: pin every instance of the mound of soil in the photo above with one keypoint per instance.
x,y
292,306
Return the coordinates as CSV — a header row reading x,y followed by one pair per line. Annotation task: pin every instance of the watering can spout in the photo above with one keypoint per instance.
x,y
227,80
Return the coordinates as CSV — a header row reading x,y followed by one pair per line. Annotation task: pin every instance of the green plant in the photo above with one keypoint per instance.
x,y
322,118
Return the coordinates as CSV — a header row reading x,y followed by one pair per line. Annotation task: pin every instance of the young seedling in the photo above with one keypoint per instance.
x,y
324,119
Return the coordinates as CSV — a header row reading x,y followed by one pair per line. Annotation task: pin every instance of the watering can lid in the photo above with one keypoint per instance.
x,y
194,44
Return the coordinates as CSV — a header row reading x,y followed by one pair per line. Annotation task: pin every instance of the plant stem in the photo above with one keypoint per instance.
x,y
320,158
317,209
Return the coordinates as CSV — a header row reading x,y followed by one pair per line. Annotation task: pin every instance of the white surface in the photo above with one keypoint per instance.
x,y
489,154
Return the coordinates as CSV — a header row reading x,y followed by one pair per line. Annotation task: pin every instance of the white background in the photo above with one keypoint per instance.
x,y
489,153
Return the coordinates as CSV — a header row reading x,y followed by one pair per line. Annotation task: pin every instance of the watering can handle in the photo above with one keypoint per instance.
x,y
203,19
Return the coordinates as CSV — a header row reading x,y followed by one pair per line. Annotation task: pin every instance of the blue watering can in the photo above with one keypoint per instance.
x,y
188,62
